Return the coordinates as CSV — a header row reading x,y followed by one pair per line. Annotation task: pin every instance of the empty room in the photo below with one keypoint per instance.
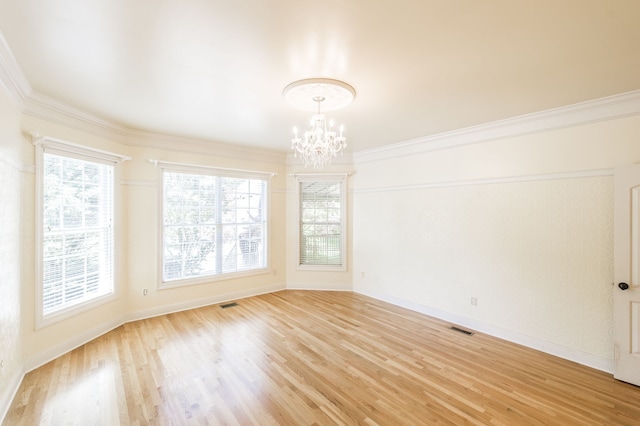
x,y
315,213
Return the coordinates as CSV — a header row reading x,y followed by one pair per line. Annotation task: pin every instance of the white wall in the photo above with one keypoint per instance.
x,y
23,346
140,187
137,215
523,224
11,221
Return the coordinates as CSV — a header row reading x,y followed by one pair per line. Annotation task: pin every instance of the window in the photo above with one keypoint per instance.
x,y
213,224
322,233
76,229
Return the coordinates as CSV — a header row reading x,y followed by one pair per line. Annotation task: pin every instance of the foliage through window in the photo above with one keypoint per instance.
x,y
321,233
212,225
76,232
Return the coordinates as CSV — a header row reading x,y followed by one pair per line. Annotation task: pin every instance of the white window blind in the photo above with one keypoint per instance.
x,y
321,222
77,231
212,224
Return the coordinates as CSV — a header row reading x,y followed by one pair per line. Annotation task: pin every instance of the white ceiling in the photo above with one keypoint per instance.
x,y
215,69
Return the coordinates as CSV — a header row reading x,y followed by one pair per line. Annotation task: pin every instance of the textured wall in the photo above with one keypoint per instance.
x,y
523,224
10,254
536,255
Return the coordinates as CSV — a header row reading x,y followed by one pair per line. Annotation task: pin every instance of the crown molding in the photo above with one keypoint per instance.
x,y
608,108
139,138
15,83
12,79
37,105
49,109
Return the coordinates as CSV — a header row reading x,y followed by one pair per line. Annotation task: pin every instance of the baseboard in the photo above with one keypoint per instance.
x,y
77,341
323,287
560,351
193,304
9,394
60,349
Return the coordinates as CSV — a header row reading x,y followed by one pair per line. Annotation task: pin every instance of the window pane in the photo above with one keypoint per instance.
x,y
208,224
321,223
77,238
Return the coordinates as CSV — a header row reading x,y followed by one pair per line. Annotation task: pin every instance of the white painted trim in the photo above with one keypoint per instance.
x,y
218,171
16,165
320,287
47,142
50,354
611,107
64,347
46,108
12,79
139,138
10,392
198,303
560,351
148,183
343,178
490,181
85,337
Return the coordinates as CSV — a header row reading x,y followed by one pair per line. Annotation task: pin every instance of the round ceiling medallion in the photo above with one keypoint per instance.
x,y
304,94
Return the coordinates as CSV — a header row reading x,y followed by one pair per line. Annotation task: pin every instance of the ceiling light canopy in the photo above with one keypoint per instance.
x,y
321,143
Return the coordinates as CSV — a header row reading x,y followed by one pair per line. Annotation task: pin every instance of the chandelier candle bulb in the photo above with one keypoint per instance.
x,y
319,144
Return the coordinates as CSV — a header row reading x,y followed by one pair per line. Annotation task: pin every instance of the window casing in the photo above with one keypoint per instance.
x,y
214,224
75,229
322,222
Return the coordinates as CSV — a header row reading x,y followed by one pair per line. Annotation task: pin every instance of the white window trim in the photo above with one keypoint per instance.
x,y
57,146
342,177
208,170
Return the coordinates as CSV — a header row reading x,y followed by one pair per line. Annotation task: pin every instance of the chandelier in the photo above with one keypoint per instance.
x,y
318,145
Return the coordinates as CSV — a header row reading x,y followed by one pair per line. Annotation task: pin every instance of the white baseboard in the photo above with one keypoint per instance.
x,y
193,304
319,287
554,349
50,354
8,395
77,341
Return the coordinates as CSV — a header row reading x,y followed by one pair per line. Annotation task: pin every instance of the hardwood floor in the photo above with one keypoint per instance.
x,y
314,358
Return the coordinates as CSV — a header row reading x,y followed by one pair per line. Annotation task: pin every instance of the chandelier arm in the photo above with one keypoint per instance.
x,y
318,145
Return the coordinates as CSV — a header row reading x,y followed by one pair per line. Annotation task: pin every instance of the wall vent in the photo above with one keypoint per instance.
x,y
460,330
228,305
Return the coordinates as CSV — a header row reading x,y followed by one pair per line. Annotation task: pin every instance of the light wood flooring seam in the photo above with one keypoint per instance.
x,y
314,358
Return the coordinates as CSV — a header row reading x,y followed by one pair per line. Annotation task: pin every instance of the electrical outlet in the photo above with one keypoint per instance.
x,y
474,301
144,292
362,274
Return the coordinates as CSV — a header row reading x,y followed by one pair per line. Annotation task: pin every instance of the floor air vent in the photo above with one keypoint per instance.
x,y
228,305
467,332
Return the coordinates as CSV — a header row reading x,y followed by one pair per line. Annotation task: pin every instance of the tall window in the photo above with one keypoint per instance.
x,y
212,224
322,237
76,207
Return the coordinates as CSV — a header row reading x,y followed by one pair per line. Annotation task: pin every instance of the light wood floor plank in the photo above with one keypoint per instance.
x,y
314,358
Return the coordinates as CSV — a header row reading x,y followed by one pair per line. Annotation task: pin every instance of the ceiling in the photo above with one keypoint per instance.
x,y
215,70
